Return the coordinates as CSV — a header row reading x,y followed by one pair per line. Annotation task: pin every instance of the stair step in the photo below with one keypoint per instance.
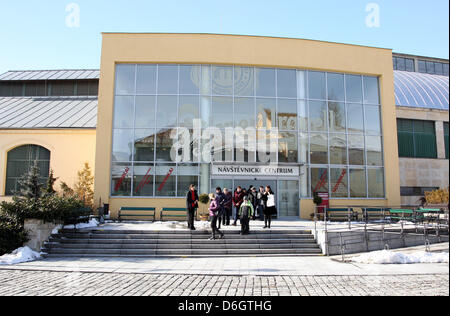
x,y
177,232
198,237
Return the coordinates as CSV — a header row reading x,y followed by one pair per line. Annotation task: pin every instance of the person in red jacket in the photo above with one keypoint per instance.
x,y
238,198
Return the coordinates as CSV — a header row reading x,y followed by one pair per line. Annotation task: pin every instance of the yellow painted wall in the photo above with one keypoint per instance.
x,y
69,150
242,50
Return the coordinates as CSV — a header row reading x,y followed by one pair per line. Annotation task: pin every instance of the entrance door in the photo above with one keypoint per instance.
x,y
288,202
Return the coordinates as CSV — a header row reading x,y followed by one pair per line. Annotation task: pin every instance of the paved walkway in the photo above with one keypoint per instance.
x,y
30,283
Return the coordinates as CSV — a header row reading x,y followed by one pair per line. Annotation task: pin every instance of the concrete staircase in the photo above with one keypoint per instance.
x,y
123,243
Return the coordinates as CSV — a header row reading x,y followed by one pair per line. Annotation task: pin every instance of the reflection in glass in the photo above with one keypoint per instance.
x,y
187,175
165,179
287,115
356,149
166,111
338,149
357,183
317,85
338,182
336,116
125,79
265,82
123,112
143,177
371,93
244,81
353,88
145,111
245,145
288,148
374,151
335,83
244,112
122,145
319,148
303,150
319,180
144,145
372,119
222,80
222,112
190,79
188,111
146,79
288,198
167,79
265,113
286,83
376,182
355,118
163,145
318,116
266,146
121,179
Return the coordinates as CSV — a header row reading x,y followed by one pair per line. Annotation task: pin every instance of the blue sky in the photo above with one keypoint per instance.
x,y
34,34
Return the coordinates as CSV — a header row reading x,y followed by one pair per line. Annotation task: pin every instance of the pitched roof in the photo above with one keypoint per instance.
x,y
67,74
48,112
413,89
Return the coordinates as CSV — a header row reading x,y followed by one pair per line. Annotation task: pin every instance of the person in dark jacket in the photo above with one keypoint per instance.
x,y
261,201
220,199
191,206
246,212
228,206
252,197
238,198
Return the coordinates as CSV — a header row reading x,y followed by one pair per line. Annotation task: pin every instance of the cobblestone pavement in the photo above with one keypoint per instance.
x,y
47,283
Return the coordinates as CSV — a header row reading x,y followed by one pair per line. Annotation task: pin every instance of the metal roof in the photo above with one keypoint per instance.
x,y
48,112
413,89
51,75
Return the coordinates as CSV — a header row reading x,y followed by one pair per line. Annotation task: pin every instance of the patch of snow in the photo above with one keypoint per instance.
x,y
178,225
92,223
23,254
56,229
391,257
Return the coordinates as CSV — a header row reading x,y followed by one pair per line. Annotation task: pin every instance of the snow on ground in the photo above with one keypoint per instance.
x,y
392,257
23,254
92,223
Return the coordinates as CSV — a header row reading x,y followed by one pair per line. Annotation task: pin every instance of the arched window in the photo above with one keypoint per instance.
x,y
19,161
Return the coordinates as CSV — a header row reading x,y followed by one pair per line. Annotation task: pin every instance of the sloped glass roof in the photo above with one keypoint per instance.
x,y
413,89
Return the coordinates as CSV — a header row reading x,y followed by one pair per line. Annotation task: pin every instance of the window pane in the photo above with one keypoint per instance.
x,y
356,149
143,177
319,180
163,145
338,183
265,82
205,87
445,70
318,116
123,112
302,115
145,111
146,79
244,112
376,183
221,150
338,149
401,63
372,120
188,111
374,151
355,118
357,183
165,180
222,80
82,88
166,111
266,146
317,85
245,144
371,95
336,114
430,67
286,83
125,79
122,144
244,82
287,115
190,79
121,179
336,90
303,150
266,111
167,79
222,112
438,68
422,66
410,65
354,88
287,147
144,145
319,149
187,175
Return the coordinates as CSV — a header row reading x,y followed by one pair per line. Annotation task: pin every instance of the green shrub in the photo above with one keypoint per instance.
x,y
12,234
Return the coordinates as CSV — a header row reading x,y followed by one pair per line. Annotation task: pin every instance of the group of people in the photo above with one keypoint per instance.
x,y
248,204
